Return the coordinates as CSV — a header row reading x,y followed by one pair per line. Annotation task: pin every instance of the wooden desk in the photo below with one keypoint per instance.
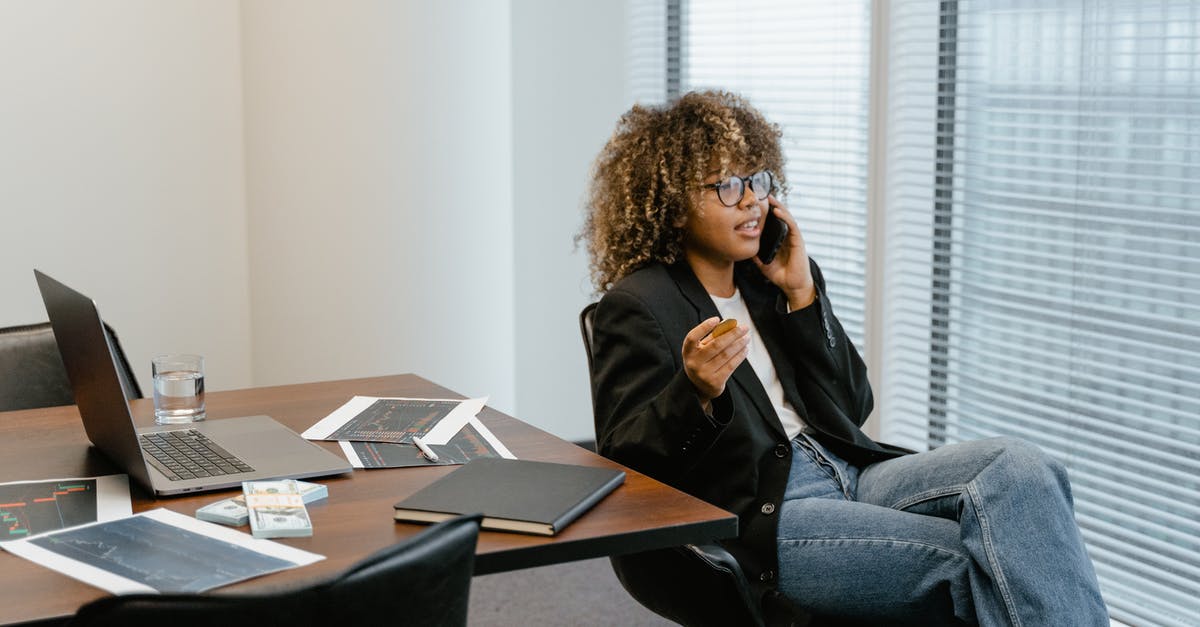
x,y
356,519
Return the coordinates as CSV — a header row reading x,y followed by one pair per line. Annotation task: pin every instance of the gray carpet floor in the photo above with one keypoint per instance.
x,y
583,593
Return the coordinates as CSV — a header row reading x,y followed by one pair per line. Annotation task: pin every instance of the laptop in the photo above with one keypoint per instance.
x,y
162,458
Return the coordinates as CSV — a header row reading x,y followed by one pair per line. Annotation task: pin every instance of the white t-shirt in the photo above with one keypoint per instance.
x,y
760,360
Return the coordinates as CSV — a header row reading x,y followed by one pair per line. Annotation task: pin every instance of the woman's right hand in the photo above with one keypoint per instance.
x,y
709,361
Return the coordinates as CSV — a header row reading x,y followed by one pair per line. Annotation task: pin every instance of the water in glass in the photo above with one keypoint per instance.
x,y
178,396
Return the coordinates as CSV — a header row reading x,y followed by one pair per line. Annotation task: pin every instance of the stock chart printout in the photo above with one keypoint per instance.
x,y
159,550
29,508
396,420
474,440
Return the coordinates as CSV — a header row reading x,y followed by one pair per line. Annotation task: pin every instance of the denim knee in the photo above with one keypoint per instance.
x,y
1032,467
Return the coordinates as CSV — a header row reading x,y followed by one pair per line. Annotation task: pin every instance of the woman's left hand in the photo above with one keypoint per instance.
x,y
790,270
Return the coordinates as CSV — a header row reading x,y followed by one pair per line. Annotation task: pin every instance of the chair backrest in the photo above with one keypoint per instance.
x,y
585,328
422,581
32,372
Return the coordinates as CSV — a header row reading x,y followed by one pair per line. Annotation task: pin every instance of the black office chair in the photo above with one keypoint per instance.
x,y
32,373
696,584
422,581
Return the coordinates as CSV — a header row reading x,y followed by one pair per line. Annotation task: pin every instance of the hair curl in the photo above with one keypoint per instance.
x,y
647,176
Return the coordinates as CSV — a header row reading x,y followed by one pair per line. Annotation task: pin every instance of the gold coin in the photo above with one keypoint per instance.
x,y
724,327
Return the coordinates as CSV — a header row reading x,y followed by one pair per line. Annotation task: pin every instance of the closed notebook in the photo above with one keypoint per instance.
x,y
513,494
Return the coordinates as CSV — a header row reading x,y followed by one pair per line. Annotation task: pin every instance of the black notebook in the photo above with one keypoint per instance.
x,y
513,494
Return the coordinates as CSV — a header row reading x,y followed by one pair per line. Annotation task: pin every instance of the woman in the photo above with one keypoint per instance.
x,y
764,420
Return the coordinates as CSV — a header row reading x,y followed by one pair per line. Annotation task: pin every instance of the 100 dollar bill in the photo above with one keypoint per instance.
x,y
232,511
276,509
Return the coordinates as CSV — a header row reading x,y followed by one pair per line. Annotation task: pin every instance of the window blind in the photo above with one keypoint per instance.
x,y
1043,261
647,51
805,65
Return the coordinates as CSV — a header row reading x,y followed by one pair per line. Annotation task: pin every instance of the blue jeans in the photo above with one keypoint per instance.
x,y
978,532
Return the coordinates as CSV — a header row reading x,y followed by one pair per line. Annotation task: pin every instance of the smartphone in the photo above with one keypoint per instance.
x,y
773,233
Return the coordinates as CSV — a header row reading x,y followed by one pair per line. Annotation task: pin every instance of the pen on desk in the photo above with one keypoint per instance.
x,y
425,450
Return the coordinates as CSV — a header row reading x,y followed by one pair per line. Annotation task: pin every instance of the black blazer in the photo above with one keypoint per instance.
x,y
649,418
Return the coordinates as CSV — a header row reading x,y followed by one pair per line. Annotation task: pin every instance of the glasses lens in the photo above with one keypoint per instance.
x,y
761,184
730,191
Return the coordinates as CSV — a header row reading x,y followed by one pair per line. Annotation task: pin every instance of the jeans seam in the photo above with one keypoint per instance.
x,y
990,552
927,496
940,549
985,533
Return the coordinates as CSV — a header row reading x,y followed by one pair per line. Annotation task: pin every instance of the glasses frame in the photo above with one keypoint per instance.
x,y
746,181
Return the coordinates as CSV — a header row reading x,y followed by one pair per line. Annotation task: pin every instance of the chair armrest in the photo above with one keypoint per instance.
x,y
717,558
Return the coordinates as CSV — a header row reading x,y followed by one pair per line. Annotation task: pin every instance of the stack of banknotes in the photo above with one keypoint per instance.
x,y
276,509
232,511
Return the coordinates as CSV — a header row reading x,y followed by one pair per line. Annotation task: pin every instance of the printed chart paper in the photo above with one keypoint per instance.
x,y
158,551
374,419
473,441
30,508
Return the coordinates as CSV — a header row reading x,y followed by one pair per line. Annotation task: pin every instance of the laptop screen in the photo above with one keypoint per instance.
x,y
92,369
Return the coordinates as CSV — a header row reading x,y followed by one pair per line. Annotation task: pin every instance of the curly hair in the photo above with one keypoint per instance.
x,y
648,176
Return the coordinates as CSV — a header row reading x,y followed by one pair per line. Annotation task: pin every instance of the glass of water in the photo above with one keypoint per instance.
x,y
178,388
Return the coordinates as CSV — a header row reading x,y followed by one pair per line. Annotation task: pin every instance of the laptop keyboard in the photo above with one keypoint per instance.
x,y
188,454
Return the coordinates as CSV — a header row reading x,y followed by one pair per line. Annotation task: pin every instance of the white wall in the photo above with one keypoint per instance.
x,y
121,172
568,90
379,161
348,189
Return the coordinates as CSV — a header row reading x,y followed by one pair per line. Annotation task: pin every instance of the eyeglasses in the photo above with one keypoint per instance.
x,y
730,190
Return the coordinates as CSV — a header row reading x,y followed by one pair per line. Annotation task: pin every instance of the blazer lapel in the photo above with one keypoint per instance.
x,y
692,290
